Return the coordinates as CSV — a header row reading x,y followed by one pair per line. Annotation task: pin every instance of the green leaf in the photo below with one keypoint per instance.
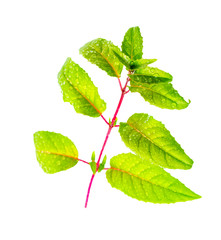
x,y
162,95
124,59
79,90
54,151
132,44
150,140
100,52
93,166
141,63
151,75
146,182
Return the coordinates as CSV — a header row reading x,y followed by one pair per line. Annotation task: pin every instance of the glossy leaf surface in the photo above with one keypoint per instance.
x,y
54,151
141,63
100,52
150,140
151,75
79,90
132,44
162,95
123,58
146,182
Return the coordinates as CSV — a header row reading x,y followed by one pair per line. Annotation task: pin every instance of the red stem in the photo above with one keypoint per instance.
x,y
120,101
121,88
105,141
82,161
89,188
107,135
105,119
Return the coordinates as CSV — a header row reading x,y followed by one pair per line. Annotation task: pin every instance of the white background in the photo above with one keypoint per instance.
x,y
36,38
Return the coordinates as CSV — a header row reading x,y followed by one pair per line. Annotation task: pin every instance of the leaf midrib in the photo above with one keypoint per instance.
x,y
57,154
145,75
154,92
157,145
82,94
118,76
132,46
149,181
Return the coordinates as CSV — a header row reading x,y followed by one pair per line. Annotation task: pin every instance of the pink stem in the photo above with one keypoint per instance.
x,y
106,168
89,188
121,88
92,177
82,161
107,135
105,119
120,101
105,141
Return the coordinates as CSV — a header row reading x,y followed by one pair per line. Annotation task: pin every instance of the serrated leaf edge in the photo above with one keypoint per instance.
x,y
165,78
143,179
139,86
132,46
66,78
158,146
117,75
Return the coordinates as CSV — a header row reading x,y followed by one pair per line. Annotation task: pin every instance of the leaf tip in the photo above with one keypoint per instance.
x,y
188,165
198,196
195,196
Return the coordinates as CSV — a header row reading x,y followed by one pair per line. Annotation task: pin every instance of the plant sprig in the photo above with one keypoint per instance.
x,y
140,175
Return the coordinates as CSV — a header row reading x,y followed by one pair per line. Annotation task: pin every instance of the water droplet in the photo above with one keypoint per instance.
x,y
173,105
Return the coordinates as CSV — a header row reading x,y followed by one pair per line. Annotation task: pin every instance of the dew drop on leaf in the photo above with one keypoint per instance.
x,y
173,105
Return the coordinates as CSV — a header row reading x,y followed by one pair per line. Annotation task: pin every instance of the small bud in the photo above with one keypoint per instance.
x,y
93,166
93,156
104,160
102,165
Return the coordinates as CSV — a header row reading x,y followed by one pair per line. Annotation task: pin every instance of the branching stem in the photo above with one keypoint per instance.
x,y
123,92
